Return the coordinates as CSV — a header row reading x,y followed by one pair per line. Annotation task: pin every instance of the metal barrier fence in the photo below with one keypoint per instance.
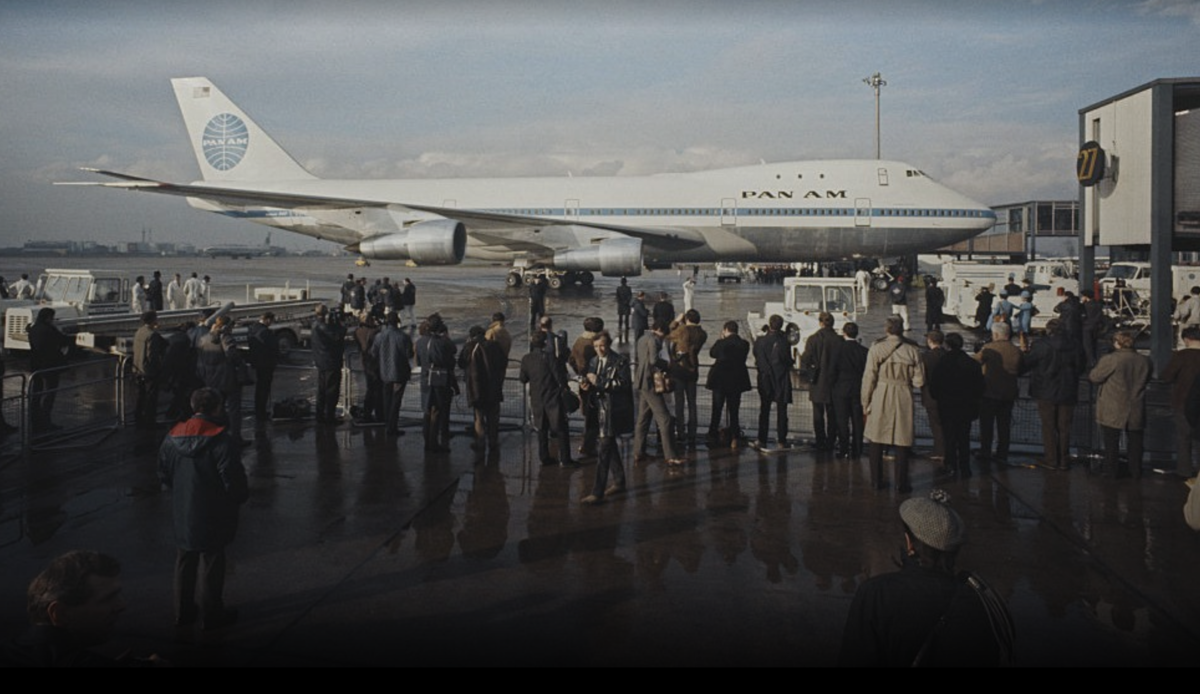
x,y
95,397
72,406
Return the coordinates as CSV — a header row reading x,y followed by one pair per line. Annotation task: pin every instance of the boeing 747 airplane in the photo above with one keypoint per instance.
x,y
784,212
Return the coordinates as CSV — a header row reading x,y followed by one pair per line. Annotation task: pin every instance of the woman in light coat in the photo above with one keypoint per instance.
x,y
894,368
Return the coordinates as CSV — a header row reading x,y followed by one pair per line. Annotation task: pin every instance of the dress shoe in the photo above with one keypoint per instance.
x,y
590,500
614,489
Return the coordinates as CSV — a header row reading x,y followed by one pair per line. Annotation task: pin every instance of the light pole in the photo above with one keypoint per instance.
x,y
875,82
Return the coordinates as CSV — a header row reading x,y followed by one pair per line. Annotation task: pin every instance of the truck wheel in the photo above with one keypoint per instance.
x,y
556,282
513,279
793,334
880,284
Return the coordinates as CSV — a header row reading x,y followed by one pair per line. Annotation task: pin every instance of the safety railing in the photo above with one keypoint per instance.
x,y
73,405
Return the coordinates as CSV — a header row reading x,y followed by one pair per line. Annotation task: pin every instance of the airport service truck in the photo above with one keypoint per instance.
x,y
95,308
1125,289
804,298
962,280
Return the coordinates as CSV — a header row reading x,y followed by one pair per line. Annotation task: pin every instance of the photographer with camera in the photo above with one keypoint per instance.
x,y
328,350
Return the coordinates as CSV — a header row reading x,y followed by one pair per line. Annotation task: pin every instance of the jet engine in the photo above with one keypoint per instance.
x,y
621,257
436,242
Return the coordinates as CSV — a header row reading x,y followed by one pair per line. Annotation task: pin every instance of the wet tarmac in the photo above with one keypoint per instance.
x,y
358,550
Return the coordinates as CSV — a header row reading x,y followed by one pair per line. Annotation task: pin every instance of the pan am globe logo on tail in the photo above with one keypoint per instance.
x,y
225,140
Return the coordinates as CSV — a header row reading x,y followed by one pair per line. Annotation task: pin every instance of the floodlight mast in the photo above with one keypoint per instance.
x,y
875,82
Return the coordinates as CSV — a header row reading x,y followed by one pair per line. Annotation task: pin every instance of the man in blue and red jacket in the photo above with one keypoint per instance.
x,y
201,463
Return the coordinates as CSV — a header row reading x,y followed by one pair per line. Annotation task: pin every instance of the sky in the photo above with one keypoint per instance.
x,y
984,96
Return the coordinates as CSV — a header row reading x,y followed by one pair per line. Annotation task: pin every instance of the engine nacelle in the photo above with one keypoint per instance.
x,y
436,242
612,258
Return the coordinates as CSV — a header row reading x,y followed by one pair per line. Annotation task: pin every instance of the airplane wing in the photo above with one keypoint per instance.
x,y
493,223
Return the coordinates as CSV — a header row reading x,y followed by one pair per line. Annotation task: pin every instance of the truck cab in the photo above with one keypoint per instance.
x,y
804,298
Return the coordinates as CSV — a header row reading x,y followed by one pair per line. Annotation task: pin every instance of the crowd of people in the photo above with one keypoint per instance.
x,y
862,395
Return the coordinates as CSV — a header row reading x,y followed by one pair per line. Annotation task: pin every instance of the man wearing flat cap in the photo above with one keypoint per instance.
x,y
924,614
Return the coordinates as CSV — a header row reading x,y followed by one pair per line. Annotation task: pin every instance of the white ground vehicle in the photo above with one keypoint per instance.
x,y
962,280
729,272
95,308
804,298
1137,278
1134,305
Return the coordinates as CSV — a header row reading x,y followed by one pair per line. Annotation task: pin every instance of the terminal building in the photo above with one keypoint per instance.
x,y
1026,231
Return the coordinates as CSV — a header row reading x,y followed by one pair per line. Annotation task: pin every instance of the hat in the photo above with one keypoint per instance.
x,y
933,522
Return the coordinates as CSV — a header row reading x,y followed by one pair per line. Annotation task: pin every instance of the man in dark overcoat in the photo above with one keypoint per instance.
x,y
1055,364
483,365
847,366
547,378
818,351
773,358
956,385
728,378
393,351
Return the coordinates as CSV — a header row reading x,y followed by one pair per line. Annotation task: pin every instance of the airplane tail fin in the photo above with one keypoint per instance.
x,y
229,146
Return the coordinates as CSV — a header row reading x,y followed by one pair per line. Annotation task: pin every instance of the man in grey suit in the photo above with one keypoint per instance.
x,y
651,404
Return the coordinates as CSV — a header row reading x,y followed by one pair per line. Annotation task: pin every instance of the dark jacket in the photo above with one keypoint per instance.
x,y
438,353
956,383
624,298
1070,314
149,351
893,614
641,315
729,372
483,364
1055,365
218,361
983,305
202,466
613,394
264,346
663,313
818,351
393,350
547,379
48,346
773,358
846,369
935,299
328,345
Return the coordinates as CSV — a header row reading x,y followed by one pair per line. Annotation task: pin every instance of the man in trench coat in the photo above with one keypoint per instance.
x,y
894,368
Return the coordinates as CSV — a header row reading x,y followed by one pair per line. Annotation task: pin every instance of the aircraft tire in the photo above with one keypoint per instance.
x,y
586,278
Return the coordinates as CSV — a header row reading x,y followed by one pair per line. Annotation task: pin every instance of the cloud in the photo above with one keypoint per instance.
x,y
1187,9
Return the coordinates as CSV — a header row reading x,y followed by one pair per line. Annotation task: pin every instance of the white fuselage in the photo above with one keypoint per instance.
x,y
798,211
